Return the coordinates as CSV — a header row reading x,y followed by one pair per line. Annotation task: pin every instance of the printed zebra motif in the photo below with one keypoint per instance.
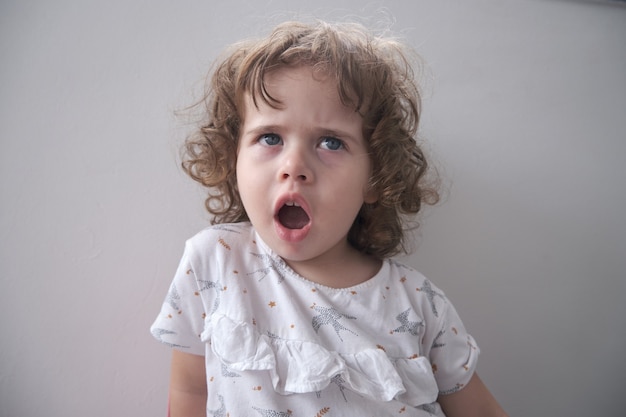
x,y
160,333
341,384
228,373
271,264
217,286
272,413
430,295
232,228
220,412
436,342
173,297
330,316
429,408
412,327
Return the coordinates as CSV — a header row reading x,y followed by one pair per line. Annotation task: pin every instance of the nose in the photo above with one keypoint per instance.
x,y
296,166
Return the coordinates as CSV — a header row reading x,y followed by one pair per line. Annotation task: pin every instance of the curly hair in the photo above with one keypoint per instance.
x,y
373,75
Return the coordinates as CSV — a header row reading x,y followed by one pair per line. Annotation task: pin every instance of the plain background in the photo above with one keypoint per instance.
x,y
524,113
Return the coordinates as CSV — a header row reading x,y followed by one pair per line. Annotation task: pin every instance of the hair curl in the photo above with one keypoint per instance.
x,y
373,74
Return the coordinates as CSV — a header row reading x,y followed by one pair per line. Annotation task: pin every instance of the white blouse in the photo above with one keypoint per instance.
x,y
276,344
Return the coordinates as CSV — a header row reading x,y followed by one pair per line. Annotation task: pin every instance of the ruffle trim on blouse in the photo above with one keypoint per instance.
x,y
303,366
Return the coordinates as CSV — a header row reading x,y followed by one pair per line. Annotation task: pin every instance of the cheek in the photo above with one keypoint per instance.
x,y
244,165
242,178
250,182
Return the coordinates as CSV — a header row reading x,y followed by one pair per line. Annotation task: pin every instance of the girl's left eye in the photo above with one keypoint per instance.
x,y
332,144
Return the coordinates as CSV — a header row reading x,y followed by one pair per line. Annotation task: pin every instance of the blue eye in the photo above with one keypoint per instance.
x,y
270,139
332,144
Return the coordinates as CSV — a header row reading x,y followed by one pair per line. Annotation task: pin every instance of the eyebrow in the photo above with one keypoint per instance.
x,y
257,130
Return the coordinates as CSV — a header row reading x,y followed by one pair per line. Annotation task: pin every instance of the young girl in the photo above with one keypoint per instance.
x,y
289,305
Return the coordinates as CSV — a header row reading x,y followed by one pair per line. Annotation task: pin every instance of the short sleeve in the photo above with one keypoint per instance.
x,y
181,319
453,351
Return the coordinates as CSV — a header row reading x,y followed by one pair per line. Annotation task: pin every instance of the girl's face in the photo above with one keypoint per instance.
x,y
303,169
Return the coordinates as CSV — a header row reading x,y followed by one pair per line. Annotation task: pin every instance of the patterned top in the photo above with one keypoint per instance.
x,y
276,344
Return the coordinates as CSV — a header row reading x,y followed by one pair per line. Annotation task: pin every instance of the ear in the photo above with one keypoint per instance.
x,y
370,196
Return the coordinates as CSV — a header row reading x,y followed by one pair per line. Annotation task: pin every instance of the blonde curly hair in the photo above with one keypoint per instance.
x,y
373,75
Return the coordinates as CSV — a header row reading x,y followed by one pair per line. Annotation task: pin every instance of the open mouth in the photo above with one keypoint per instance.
x,y
292,216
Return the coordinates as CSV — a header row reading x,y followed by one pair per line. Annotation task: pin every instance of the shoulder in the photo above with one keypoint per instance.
x,y
408,275
218,244
229,236
227,231
425,295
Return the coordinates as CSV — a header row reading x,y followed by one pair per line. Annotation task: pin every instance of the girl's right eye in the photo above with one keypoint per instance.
x,y
270,139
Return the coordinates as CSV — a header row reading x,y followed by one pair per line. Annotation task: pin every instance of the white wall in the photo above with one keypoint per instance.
x,y
525,116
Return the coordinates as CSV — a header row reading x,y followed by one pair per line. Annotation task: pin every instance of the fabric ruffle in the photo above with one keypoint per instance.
x,y
303,366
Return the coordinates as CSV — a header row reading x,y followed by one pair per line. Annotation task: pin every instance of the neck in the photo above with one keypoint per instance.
x,y
347,270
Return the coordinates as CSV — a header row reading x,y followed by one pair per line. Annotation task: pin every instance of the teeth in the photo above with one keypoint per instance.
x,y
292,204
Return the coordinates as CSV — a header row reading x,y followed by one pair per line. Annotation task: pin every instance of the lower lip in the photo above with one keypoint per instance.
x,y
291,235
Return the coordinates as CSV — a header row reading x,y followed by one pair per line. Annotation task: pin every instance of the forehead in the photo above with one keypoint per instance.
x,y
300,72
293,84
276,83
300,98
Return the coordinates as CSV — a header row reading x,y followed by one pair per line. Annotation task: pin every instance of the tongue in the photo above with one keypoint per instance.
x,y
293,217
